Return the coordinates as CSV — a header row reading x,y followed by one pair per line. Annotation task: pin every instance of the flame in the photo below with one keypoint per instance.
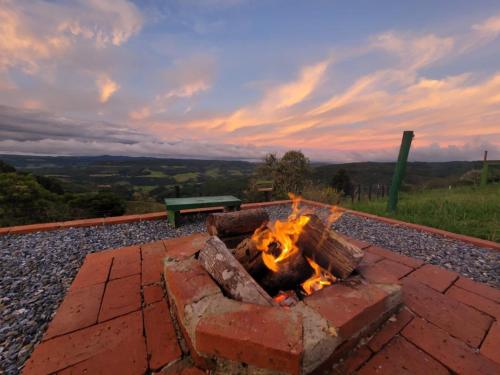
x,y
319,280
283,235
278,242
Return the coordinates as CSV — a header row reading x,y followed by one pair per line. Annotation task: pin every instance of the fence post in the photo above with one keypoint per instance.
x,y
399,171
370,192
484,172
177,191
359,192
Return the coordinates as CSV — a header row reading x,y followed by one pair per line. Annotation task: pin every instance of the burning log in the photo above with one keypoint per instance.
x,y
328,249
236,223
230,274
291,273
250,257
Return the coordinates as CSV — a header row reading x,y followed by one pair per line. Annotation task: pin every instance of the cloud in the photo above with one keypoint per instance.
x,y
105,22
489,28
35,32
32,131
187,78
107,87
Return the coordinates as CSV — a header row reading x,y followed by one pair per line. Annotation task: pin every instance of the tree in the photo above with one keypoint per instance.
x,y
289,174
341,181
293,172
6,168
23,201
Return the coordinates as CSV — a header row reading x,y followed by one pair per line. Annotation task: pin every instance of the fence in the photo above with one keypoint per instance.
x,y
369,192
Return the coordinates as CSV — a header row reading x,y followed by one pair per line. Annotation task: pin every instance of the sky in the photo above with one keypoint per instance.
x,y
236,79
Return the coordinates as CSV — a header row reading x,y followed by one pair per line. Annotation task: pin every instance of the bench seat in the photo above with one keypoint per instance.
x,y
175,205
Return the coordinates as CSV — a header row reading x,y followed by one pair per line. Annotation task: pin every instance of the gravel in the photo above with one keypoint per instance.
x,y
37,268
477,263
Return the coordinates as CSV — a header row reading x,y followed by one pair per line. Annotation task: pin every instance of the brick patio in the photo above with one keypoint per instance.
x,y
115,319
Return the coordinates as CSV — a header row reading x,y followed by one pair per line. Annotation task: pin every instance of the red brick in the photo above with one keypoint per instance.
x,y
118,340
478,288
448,350
266,337
370,258
95,270
4,230
152,269
161,338
21,229
476,301
126,262
397,269
376,273
491,344
192,371
459,320
390,329
188,282
82,223
121,219
355,242
153,216
349,307
152,293
353,361
407,261
127,358
153,250
184,247
436,277
78,310
401,357
121,296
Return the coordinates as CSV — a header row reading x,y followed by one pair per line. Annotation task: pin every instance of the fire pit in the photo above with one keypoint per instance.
x,y
283,297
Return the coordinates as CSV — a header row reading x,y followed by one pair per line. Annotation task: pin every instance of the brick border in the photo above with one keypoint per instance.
x,y
41,227
422,228
22,229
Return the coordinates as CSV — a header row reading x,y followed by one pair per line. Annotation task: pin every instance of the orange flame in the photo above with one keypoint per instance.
x,y
284,234
283,237
319,280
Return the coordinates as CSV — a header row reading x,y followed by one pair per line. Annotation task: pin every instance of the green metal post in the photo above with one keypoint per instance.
x,y
399,171
484,172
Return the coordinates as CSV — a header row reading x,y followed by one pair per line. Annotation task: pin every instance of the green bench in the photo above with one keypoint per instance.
x,y
175,205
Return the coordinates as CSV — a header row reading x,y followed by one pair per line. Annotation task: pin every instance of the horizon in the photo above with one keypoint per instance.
x,y
312,161
237,79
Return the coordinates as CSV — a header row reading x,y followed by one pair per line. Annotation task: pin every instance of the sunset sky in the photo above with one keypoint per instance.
x,y
339,80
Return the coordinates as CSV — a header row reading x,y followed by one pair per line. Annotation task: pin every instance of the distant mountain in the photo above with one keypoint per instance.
x,y
149,171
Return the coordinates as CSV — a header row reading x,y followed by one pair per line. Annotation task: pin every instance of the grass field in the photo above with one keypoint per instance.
x,y
183,177
472,211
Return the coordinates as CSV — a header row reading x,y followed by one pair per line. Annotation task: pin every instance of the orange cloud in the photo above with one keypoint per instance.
x,y
107,87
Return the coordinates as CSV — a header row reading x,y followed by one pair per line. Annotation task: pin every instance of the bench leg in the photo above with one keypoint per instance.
x,y
172,217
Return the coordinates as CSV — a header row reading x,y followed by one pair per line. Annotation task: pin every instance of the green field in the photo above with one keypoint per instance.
x,y
473,211
184,177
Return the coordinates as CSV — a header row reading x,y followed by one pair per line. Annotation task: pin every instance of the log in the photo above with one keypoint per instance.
x,y
250,258
291,273
230,274
328,249
228,224
233,241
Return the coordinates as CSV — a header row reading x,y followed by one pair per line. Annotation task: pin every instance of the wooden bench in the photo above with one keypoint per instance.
x,y
175,205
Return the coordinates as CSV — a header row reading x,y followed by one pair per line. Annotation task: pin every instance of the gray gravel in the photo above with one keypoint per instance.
x,y
37,268
475,262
